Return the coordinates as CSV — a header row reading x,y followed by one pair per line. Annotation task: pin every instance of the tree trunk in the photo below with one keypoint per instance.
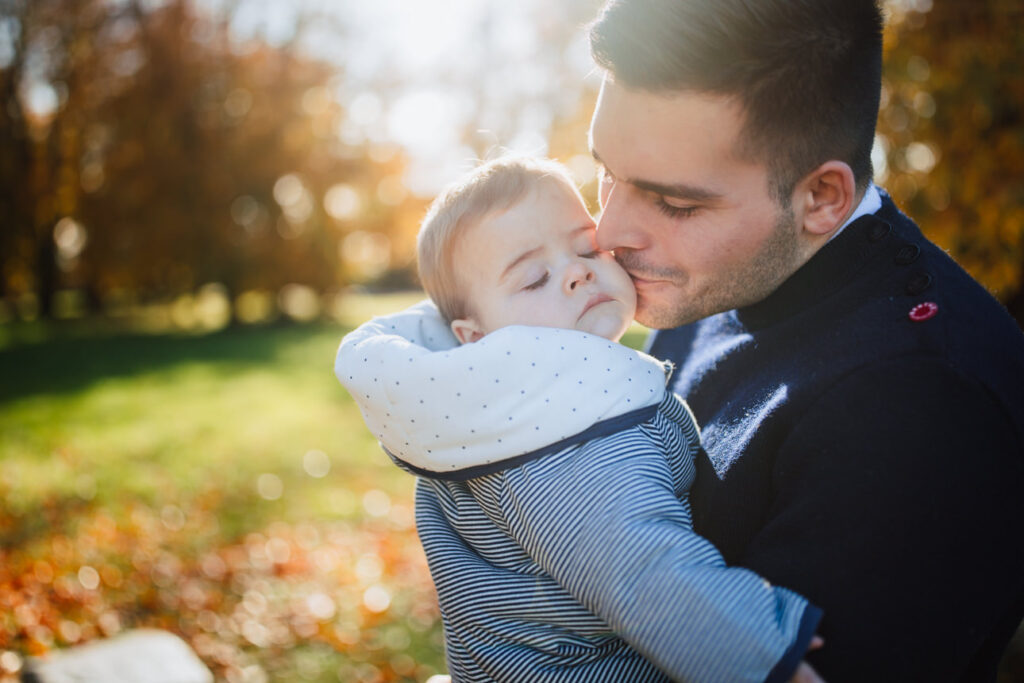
x,y
46,274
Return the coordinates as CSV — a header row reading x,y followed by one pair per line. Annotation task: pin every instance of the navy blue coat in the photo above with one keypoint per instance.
x,y
863,429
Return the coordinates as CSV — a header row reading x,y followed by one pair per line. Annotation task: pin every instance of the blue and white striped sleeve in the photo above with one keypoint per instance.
x,y
604,521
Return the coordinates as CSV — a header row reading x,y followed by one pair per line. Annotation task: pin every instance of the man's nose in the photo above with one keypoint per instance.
x,y
616,228
577,274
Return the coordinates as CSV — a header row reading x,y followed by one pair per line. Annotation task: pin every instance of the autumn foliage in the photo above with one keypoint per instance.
x,y
172,156
241,606
951,133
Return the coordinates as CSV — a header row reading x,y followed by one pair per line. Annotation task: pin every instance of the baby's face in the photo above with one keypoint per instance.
x,y
537,263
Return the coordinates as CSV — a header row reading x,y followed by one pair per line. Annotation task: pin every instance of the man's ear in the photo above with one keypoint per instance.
x,y
827,196
466,330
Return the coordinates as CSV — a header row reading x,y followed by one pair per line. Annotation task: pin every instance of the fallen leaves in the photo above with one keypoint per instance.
x,y
291,601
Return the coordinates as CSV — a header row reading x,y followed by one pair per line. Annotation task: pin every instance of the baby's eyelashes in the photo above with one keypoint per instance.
x,y
537,284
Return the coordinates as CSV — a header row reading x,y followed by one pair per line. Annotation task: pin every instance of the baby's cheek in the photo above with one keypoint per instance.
x,y
540,312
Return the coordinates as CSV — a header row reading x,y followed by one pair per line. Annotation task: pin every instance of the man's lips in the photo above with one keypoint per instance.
x,y
594,301
639,281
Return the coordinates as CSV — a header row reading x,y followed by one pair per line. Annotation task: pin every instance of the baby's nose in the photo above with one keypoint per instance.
x,y
580,277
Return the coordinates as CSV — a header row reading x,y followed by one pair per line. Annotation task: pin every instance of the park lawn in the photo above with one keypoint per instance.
x,y
166,419
219,485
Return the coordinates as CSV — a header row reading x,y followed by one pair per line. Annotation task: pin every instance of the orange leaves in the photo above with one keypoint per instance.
x,y
360,591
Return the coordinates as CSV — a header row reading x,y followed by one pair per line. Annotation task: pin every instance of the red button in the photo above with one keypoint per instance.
x,y
923,311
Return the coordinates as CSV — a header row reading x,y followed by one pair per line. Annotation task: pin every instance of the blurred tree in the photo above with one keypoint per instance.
x,y
518,97
208,164
168,156
951,132
48,63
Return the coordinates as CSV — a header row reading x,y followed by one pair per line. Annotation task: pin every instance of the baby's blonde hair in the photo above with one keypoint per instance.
x,y
497,185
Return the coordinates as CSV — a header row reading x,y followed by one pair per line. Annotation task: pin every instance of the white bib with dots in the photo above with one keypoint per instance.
x,y
442,407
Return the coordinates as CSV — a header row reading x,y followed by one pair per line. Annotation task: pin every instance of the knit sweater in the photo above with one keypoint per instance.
x,y
863,428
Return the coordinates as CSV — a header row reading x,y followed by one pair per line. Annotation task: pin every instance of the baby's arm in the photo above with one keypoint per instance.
x,y
604,521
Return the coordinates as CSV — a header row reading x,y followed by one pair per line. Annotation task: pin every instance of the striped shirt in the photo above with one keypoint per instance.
x,y
524,558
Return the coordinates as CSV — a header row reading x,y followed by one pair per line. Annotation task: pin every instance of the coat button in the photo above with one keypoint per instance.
x,y
878,231
907,254
924,311
920,282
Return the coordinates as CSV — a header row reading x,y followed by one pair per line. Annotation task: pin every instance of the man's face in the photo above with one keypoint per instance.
x,y
694,224
538,263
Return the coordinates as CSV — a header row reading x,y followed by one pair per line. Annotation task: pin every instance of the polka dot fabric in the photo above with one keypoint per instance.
x,y
442,407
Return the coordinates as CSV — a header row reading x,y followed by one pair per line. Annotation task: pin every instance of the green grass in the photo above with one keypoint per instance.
x,y
162,418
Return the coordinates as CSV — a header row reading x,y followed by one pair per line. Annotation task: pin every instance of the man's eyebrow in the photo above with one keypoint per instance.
x,y
683,191
679,191
519,259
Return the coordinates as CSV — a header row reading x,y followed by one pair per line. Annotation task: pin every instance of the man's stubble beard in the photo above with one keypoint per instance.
x,y
743,285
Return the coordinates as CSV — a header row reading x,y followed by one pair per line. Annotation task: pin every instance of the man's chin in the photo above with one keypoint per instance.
x,y
657,318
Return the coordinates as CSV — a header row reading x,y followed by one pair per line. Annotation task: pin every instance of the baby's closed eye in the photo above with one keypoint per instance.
x,y
538,283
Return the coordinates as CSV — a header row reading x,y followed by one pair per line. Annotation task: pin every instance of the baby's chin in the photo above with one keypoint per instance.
x,y
611,327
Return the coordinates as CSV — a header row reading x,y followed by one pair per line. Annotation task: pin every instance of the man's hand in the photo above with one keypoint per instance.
x,y
806,674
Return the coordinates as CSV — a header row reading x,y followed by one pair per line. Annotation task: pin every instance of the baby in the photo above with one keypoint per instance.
x,y
553,462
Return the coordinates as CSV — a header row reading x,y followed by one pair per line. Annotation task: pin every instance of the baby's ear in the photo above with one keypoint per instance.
x,y
466,330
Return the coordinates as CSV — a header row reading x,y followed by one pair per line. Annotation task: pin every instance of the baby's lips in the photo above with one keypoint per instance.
x,y
594,300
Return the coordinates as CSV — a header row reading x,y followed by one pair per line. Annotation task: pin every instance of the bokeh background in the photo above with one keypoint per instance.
x,y
199,197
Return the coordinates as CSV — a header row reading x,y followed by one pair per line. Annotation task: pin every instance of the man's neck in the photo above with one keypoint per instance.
x,y
869,202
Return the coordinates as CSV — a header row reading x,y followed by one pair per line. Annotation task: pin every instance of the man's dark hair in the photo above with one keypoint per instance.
x,y
806,72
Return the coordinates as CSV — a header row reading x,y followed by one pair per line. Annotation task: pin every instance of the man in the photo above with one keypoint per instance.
x,y
861,398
